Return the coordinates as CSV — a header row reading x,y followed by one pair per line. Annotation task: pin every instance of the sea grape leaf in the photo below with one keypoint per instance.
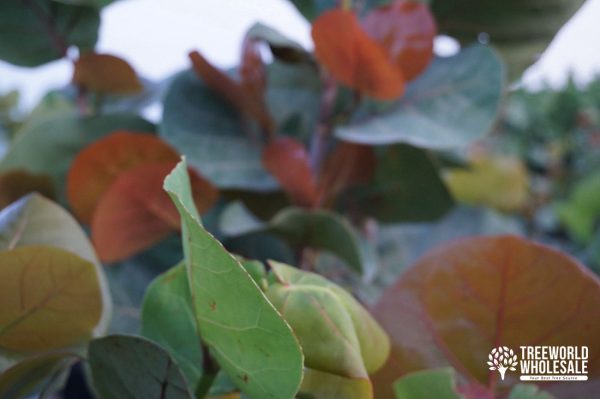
x,y
35,32
31,375
501,182
105,74
244,98
63,136
98,165
168,319
353,58
322,385
132,367
17,183
293,97
427,384
452,104
319,229
288,161
51,299
35,220
581,211
519,29
320,312
209,132
281,46
406,188
487,291
406,29
246,335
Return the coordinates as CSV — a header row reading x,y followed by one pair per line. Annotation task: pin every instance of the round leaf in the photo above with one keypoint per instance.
x,y
353,58
452,104
97,166
105,74
487,292
50,299
135,368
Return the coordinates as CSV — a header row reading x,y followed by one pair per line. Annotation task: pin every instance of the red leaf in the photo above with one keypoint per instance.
x,y
232,91
463,299
406,29
287,160
353,58
349,164
98,165
135,212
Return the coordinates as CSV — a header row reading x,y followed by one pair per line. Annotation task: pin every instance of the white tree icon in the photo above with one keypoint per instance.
x,y
502,359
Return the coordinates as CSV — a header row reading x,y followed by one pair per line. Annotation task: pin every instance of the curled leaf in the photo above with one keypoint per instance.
x,y
245,101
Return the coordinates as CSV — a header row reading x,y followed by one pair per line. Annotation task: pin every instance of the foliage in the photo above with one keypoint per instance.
x,y
324,179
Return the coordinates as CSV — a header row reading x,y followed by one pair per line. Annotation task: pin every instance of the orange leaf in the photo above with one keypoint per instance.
x,y
104,73
232,91
287,160
98,165
50,299
349,164
406,29
16,183
135,212
463,299
353,58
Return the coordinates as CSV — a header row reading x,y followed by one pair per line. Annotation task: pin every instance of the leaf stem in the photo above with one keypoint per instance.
x,y
323,130
209,373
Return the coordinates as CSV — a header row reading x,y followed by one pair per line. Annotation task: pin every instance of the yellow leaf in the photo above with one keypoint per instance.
x,y
50,299
501,182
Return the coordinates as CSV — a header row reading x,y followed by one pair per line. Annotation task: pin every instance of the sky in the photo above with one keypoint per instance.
x,y
155,36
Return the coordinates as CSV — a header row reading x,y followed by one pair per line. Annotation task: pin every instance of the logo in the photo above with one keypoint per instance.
x,y
502,359
542,363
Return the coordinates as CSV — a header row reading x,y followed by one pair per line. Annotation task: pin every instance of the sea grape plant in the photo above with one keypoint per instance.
x,y
252,244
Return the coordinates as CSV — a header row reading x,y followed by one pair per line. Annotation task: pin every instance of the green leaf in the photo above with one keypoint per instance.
x,y
281,46
319,229
336,333
49,144
581,211
35,220
528,391
439,384
452,104
246,335
519,29
406,188
293,97
168,319
32,375
35,32
132,367
210,133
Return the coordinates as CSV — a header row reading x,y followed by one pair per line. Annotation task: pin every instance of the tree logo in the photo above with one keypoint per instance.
x,y
501,359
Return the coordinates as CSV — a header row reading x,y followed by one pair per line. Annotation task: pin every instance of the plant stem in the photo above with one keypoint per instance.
x,y
209,373
324,126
